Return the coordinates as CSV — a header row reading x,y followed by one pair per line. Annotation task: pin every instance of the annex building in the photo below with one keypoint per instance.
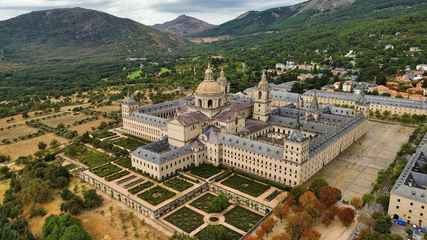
x,y
286,143
408,198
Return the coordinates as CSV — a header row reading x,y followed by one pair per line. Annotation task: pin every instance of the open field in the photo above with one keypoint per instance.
x,y
109,108
16,132
356,169
68,119
28,147
89,126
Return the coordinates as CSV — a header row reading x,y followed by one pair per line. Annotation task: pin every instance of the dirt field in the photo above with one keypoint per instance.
x,y
16,132
68,119
87,127
111,108
356,169
28,147
109,222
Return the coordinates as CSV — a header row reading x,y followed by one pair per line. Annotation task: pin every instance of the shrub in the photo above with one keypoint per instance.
x,y
356,202
329,196
92,199
37,212
66,194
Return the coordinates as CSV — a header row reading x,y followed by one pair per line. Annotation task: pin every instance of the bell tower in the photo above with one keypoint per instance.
x,y
262,106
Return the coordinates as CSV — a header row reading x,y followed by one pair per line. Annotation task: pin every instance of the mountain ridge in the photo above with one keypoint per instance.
x,y
184,25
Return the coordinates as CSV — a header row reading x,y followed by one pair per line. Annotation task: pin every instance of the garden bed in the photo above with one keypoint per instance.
x,y
140,187
205,203
246,185
117,175
186,219
205,170
133,183
242,218
178,184
106,170
89,157
156,195
130,143
217,230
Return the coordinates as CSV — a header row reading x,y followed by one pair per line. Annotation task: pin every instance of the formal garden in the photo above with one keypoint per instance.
x,y
246,185
210,203
186,219
205,170
242,218
156,195
129,143
178,184
219,231
90,157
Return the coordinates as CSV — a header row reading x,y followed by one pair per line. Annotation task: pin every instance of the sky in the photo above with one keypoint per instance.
x,y
149,12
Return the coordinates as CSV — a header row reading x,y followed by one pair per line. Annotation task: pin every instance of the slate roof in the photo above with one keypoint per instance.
x,y
412,183
191,118
161,152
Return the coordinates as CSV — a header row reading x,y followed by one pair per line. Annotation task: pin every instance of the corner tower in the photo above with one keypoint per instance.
x,y
262,106
129,105
296,147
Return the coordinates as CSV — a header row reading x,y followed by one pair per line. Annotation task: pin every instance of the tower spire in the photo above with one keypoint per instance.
x,y
209,73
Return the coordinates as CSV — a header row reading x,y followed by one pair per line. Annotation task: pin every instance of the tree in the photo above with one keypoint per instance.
x,y
297,191
316,184
368,198
92,199
346,216
328,216
382,223
219,203
383,200
356,202
64,227
329,196
280,237
42,145
310,203
297,223
310,234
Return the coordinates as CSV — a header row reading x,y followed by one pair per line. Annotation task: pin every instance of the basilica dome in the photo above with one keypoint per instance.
x,y
209,88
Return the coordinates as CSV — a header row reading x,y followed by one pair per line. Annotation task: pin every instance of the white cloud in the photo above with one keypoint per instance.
x,y
148,11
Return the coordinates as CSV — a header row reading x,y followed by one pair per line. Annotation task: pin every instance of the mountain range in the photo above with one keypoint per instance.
x,y
63,50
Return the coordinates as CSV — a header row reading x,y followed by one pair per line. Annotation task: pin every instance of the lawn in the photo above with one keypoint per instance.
x,y
106,170
205,170
124,162
129,143
89,157
185,219
246,185
242,218
137,74
204,203
140,187
217,230
178,184
156,195
102,134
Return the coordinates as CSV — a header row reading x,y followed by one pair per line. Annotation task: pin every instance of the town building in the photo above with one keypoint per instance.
x,y
408,198
287,144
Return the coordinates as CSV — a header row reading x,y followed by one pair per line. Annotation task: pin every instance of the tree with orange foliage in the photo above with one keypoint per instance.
x,y
356,202
280,237
268,225
329,196
310,203
260,232
328,216
310,234
251,237
346,215
298,223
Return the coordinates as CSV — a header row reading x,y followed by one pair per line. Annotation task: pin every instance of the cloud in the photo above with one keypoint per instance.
x,y
148,11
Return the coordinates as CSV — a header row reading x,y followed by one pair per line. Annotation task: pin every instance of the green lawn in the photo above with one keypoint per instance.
x,y
219,231
124,162
205,170
129,143
156,195
178,184
246,185
242,218
102,134
185,219
204,203
135,74
87,156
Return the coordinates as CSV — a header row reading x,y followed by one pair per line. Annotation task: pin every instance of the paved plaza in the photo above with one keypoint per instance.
x,y
356,169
